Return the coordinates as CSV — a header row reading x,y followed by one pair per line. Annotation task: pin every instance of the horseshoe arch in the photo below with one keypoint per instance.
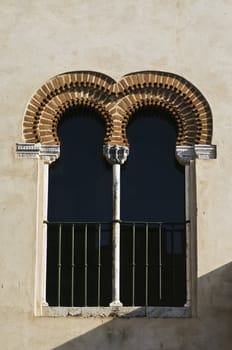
x,y
116,102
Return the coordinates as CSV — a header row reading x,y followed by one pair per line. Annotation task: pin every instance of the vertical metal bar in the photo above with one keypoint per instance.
x,y
146,265
173,263
99,266
86,263
133,264
160,262
72,265
59,263
116,237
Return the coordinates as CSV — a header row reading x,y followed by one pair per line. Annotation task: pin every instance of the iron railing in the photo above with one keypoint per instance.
x,y
152,263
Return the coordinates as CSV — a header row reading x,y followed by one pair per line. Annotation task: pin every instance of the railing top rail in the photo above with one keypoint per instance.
x,y
120,221
155,222
76,222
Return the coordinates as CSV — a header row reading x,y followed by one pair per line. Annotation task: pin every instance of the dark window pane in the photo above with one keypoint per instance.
x,y
153,190
152,180
80,190
80,180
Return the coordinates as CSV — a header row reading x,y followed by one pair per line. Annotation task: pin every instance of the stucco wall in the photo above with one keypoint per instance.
x,y
40,39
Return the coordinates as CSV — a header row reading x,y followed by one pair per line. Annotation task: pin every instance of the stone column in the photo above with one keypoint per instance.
x,y
116,155
46,155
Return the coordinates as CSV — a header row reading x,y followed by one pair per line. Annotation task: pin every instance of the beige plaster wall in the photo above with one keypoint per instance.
x,y
40,39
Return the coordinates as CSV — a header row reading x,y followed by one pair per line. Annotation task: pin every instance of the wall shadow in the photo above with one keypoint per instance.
x,y
211,329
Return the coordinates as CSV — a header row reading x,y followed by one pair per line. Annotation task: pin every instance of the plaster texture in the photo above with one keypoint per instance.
x,y
40,39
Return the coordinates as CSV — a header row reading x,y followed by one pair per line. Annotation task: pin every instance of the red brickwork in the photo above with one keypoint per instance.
x,y
117,103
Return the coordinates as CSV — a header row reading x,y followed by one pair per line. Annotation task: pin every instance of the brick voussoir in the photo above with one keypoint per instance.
x,y
167,90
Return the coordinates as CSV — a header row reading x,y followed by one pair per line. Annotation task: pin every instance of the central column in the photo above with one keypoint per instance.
x,y
116,155
116,237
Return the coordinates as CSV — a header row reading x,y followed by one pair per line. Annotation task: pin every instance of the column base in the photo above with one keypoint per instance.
x,y
116,303
188,303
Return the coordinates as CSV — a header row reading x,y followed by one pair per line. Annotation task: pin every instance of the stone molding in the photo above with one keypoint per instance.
x,y
186,153
49,153
118,311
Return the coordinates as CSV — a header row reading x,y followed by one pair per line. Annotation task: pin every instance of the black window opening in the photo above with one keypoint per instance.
x,y
153,258
79,199
152,249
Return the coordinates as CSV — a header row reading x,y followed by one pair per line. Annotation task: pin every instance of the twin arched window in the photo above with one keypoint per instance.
x,y
155,266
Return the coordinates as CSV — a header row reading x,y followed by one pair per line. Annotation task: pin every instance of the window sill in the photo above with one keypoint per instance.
x,y
122,312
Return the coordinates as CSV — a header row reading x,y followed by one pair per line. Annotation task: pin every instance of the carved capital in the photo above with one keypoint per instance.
x,y
49,153
184,154
116,154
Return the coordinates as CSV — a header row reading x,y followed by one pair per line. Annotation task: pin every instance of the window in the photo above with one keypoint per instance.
x,y
152,248
85,180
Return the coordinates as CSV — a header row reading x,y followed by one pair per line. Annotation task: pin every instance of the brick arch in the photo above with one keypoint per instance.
x,y
60,93
169,91
117,102
54,110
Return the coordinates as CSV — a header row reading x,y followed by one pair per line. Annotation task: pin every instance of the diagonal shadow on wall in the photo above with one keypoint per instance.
x,y
211,329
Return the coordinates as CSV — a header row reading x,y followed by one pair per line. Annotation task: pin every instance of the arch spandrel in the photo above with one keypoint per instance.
x,y
116,102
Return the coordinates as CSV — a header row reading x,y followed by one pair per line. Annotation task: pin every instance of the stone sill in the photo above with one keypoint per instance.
x,y
122,312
